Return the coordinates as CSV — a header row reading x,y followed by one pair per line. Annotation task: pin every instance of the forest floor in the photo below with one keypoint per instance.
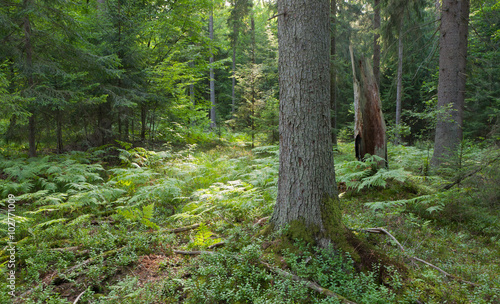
x,y
130,225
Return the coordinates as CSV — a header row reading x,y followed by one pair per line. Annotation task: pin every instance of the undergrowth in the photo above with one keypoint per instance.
x,y
100,224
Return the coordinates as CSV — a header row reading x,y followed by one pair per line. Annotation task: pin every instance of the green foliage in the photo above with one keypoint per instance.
x,y
239,279
235,199
366,174
203,238
143,216
104,221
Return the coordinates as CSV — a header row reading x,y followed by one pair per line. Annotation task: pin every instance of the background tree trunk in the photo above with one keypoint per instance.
x,y
376,44
59,132
252,112
28,48
451,87
399,87
307,193
144,113
212,83
333,72
369,121
233,73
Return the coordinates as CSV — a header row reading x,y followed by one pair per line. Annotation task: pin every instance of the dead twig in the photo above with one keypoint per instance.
x,y
192,252
382,230
182,229
217,245
460,179
261,221
312,285
79,296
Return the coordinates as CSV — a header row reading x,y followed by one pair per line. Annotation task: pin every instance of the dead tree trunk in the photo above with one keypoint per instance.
x,y
369,125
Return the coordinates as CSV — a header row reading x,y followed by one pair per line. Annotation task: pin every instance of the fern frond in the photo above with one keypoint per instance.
x,y
51,222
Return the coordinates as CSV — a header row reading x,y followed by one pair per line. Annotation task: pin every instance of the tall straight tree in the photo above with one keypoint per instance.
x,y
239,11
333,54
212,80
376,43
452,77
399,87
28,49
307,194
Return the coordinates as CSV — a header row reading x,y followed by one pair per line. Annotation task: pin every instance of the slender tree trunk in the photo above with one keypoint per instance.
x,y
213,124
59,132
254,78
233,78
28,48
191,96
333,72
307,194
126,123
32,135
399,87
376,44
144,113
437,5
120,123
452,78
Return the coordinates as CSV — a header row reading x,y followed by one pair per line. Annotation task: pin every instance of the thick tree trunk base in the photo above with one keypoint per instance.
x,y
345,242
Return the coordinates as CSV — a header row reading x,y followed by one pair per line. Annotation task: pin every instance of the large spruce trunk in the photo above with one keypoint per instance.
x,y
307,194
451,87
333,84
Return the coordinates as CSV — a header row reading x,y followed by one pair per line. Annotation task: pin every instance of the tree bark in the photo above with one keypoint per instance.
x,y
399,87
376,44
28,48
369,124
233,71
254,78
307,195
59,132
452,78
333,72
144,113
212,83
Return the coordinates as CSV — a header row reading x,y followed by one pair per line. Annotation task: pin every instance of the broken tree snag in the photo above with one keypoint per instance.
x,y
369,124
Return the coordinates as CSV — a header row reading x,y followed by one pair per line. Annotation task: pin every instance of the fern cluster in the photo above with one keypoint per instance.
x,y
365,174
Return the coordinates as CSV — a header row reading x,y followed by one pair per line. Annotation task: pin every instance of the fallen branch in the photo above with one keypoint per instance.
x,y
74,249
382,230
88,261
182,229
192,252
312,285
70,270
261,222
79,296
216,245
460,179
